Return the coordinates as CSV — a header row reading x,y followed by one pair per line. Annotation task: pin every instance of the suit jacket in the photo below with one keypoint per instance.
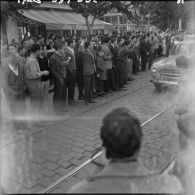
x,y
122,57
88,63
101,68
144,47
107,54
127,177
114,51
72,64
56,67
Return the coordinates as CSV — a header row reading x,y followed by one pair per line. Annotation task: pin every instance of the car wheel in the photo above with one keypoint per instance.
x,y
158,87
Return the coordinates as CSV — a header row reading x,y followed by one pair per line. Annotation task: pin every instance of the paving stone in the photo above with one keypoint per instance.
x,y
36,189
58,191
66,184
52,158
75,162
88,154
79,144
64,163
61,171
50,165
30,183
76,155
45,181
47,172
54,152
65,157
89,148
57,176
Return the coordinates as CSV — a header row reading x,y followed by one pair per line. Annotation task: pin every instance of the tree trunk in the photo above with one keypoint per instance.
x,y
89,26
4,31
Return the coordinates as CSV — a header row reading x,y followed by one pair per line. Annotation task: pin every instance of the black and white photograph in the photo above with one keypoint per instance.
x,y
97,97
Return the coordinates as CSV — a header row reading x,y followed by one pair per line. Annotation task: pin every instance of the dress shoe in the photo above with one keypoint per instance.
x,y
73,103
91,101
81,97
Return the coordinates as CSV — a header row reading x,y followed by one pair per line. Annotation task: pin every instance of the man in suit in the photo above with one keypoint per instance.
x,y
108,57
89,69
79,70
144,51
114,50
71,71
57,63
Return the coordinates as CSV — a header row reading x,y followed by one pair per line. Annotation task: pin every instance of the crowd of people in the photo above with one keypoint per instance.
x,y
97,65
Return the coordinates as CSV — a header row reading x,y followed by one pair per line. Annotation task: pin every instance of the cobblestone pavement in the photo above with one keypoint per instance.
x,y
33,159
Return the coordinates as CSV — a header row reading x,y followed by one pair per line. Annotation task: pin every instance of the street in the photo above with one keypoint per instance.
x,y
34,159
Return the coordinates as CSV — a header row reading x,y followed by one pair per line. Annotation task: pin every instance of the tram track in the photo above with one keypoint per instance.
x,y
53,124
97,155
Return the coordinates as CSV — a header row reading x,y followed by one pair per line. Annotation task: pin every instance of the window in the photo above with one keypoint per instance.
x,y
107,19
114,20
125,20
121,20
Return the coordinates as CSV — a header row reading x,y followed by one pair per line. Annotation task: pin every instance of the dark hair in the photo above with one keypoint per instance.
x,y
87,43
113,39
35,47
58,45
121,133
20,48
186,124
106,39
182,62
127,42
69,41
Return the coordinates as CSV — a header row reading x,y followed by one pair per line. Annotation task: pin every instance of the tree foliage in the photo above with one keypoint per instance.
x,y
135,11
163,14
8,8
91,11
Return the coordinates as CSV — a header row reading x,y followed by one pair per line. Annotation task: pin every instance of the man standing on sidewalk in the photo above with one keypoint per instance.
x,y
71,71
150,42
108,59
143,51
89,69
57,64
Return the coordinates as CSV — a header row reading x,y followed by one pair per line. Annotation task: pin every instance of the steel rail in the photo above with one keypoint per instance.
x,y
77,114
77,169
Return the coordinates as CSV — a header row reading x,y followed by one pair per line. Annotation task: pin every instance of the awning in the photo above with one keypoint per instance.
x,y
62,20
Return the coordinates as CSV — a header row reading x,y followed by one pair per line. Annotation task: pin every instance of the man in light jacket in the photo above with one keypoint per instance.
x,y
121,135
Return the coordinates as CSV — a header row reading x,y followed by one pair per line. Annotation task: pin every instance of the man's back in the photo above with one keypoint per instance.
x,y
131,177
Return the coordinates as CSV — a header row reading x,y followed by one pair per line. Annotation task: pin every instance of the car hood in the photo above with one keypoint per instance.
x,y
168,63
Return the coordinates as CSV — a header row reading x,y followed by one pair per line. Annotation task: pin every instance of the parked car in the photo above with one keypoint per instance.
x,y
168,72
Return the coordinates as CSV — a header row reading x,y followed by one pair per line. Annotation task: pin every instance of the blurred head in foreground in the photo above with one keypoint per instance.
x,y
121,134
186,126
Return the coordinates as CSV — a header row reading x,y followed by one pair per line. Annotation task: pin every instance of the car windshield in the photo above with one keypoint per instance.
x,y
182,49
